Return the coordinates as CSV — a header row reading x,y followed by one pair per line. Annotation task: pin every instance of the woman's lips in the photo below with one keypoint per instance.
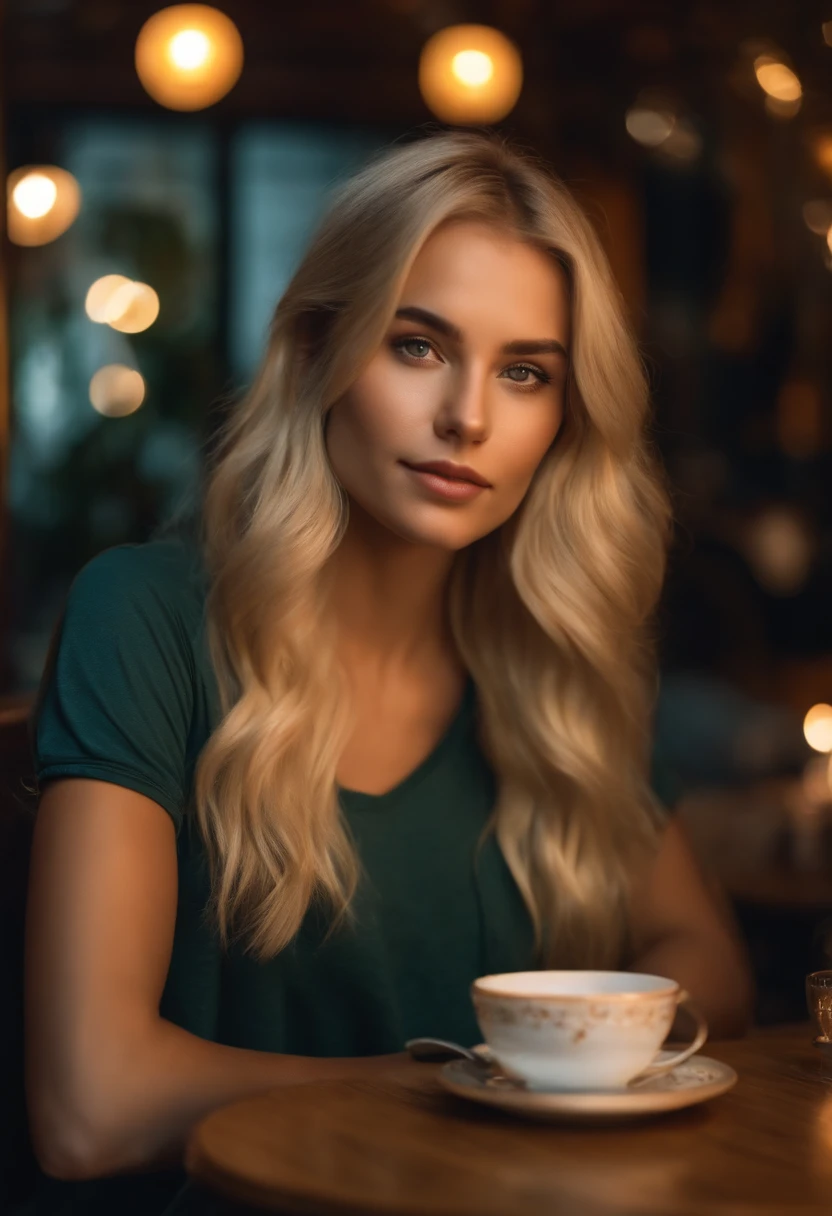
x,y
449,488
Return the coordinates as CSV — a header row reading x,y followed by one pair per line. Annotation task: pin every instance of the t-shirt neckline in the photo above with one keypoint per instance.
x,y
359,800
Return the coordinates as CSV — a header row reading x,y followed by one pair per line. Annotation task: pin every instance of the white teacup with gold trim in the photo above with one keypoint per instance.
x,y
582,1030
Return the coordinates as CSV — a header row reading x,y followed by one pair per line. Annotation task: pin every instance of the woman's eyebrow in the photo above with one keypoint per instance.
x,y
432,319
545,346
523,346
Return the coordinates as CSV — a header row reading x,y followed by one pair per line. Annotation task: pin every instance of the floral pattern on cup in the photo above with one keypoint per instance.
x,y
658,1013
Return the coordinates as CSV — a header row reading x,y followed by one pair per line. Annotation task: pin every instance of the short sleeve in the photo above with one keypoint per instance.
x,y
117,695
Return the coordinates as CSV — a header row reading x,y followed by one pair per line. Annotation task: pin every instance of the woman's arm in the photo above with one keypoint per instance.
x,y
684,929
110,1085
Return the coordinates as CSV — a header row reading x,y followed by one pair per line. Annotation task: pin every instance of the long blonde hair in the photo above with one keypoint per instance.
x,y
550,613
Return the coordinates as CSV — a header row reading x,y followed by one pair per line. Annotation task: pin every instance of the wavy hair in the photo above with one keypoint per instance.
x,y
551,613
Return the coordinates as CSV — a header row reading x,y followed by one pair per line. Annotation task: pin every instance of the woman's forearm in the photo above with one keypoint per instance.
x,y
168,1079
716,977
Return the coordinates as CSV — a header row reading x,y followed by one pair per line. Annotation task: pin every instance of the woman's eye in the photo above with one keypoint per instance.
x,y
522,374
417,347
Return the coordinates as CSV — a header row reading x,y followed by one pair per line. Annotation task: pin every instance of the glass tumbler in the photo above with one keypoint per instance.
x,y
819,1002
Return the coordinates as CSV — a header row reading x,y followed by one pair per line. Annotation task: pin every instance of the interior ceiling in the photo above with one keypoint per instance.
x,y
358,58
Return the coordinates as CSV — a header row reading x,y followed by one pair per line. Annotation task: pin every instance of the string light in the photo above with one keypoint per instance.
x,y
42,202
470,74
189,56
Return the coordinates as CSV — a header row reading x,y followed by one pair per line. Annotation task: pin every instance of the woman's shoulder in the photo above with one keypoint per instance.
x,y
124,685
164,576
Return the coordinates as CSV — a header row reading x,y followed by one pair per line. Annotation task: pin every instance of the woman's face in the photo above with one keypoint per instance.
x,y
472,370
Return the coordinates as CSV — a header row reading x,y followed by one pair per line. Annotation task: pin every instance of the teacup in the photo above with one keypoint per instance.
x,y
581,1030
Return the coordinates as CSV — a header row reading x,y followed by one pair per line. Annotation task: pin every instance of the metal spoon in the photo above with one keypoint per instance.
x,y
441,1049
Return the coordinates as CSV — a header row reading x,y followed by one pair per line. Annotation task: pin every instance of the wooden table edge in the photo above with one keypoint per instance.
x,y
202,1170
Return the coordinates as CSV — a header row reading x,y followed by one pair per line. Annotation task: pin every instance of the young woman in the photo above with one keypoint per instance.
x,y
379,732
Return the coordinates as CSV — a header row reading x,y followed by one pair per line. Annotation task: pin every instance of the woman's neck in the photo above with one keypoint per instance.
x,y
389,599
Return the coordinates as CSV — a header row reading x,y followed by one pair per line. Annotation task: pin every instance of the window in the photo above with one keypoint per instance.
x,y
155,209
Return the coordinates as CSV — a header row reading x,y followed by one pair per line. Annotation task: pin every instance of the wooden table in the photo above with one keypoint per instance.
x,y
399,1144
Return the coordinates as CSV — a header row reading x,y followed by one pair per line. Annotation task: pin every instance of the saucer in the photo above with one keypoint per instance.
x,y
695,1080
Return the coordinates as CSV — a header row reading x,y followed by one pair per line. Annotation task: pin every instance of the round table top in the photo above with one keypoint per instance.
x,y
400,1144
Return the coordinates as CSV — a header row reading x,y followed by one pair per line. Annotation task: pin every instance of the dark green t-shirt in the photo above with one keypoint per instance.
x,y
129,697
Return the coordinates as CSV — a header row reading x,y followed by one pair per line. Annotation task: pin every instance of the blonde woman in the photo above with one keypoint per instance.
x,y
382,730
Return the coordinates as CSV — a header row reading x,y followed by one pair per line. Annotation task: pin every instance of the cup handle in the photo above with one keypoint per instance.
x,y
683,1001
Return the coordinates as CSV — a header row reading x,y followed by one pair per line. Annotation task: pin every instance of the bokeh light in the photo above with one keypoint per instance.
x,y
817,727
122,304
783,109
822,149
35,195
683,144
776,79
135,307
817,215
189,56
648,124
654,122
98,303
117,390
470,74
42,202
190,50
473,68
779,549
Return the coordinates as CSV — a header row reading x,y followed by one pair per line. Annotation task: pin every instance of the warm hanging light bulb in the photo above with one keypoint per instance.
x,y
470,74
189,56
43,201
35,195
473,68
190,50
